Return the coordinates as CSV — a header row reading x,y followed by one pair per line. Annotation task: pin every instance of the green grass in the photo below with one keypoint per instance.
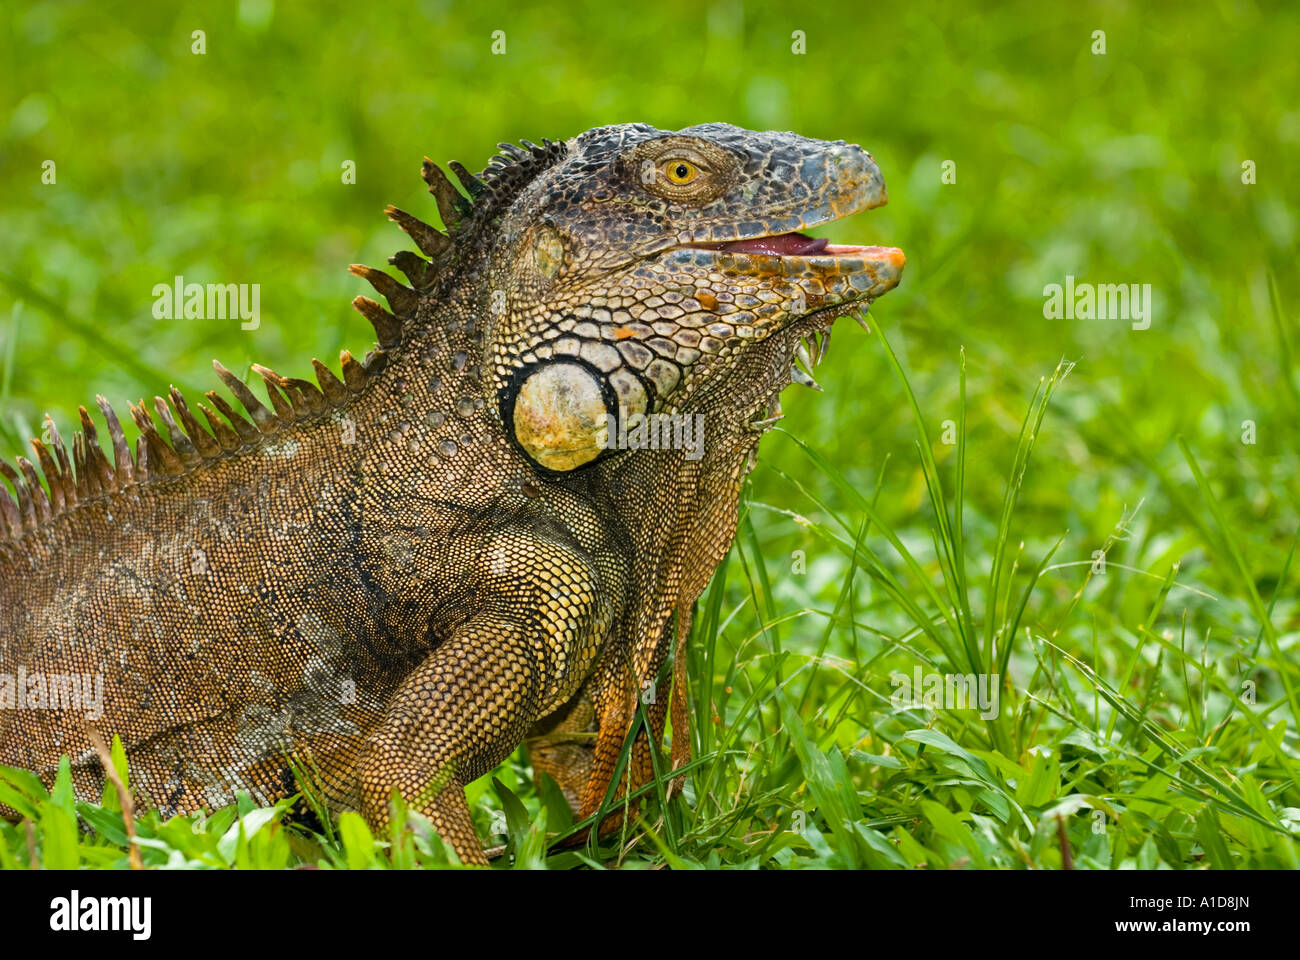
x,y
1147,708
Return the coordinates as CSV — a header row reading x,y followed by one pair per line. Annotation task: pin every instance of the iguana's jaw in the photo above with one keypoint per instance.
x,y
829,275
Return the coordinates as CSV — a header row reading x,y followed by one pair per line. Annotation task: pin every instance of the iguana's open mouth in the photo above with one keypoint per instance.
x,y
843,273
885,260
796,245
781,245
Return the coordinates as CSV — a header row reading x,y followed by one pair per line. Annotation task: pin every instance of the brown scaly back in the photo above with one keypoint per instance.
x,y
185,443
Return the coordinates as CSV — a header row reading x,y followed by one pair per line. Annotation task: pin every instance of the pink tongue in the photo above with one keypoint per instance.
x,y
782,245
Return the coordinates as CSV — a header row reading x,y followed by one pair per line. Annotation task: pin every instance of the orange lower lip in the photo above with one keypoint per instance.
x,y
891,254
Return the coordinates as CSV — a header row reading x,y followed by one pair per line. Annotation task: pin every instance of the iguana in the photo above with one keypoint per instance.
x,y
470,538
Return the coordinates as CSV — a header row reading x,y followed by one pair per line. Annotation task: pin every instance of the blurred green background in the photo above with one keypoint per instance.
x,y
1122,167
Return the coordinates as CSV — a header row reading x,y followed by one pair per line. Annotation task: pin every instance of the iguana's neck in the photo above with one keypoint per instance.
x,y
680,514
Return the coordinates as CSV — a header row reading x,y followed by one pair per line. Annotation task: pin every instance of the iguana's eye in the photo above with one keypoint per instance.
x,y
681,171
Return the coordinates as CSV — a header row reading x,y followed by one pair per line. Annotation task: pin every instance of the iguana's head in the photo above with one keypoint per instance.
x,y
632,271
648,271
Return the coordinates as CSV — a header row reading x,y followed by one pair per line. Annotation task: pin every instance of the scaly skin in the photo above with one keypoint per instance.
x,y
402,578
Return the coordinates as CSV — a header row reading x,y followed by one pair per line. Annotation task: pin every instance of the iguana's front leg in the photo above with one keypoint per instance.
x,y
457,716
542,621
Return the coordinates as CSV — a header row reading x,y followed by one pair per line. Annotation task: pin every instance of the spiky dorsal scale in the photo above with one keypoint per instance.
x,y
305,396
432,243
25,512
79,466
401,298
182,445
264,419
142,474
226,438
331,386
66,479
12,506
121,451
387,327
292,398
354,374
453,207
283,408
40,502
516,153
58,502
101,470
162,458
472,184
419,271
208,446
376,360
246,431
10,523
